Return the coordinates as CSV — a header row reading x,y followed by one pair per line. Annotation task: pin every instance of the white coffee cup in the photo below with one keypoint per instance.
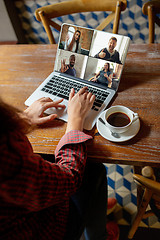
x,y
119,118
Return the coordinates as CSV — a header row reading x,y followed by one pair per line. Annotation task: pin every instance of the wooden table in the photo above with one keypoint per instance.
x,y
24,67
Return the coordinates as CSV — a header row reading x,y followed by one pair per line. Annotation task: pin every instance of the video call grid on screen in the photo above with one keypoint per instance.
x,y
87,62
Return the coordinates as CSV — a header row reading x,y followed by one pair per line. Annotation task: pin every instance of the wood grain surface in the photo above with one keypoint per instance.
x,y
24,67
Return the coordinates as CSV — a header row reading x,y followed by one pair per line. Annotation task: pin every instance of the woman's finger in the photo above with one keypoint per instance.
x,y
82,90
60,106
71,94
58,101
46,119
52,104
89,95
92,99
85,94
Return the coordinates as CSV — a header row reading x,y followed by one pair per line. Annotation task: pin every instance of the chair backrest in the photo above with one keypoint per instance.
x,y
149,196
150,184
47,13
148,181
152,188
152,8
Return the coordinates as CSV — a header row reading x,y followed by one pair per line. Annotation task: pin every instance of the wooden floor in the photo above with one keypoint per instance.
x,y
141,233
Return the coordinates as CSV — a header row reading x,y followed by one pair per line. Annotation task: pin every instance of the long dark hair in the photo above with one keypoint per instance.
x,y
73,40
10,120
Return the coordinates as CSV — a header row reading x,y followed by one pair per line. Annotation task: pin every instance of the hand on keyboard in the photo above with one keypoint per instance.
x,y
78,107
34,112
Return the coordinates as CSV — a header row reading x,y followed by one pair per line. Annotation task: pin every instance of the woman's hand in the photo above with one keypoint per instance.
x,y
78,107
35,113
94,79
67,37
110,80
105,75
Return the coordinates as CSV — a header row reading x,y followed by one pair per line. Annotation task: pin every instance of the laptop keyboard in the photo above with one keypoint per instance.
x,y
61,87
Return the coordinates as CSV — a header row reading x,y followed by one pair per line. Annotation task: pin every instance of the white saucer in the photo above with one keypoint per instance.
x,y
106,133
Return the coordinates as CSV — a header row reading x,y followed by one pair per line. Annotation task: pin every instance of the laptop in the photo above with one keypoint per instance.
x,y
85,57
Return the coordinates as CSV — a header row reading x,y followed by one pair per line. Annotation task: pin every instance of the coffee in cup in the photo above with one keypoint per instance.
x,y
119,118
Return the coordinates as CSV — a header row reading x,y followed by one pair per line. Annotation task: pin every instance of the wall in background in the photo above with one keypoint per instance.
x,y
133,23
6,29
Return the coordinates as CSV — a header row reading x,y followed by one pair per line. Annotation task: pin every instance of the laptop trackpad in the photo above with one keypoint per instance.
x,y
61,112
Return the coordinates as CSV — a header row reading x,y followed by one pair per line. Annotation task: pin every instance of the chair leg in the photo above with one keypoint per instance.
x,y
151,23
141,210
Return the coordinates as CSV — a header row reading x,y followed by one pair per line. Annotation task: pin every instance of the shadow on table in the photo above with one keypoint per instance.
x,y
132,80
53,124
143,133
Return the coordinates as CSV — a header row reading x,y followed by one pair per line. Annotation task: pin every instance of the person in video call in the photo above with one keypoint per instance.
x,y
110,53
57,200
72,43
69,68
104,77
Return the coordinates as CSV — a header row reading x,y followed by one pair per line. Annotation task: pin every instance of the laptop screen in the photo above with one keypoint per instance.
x,y
91,55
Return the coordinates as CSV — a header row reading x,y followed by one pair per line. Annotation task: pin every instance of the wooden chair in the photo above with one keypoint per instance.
x,y
47,13
151,9
151,193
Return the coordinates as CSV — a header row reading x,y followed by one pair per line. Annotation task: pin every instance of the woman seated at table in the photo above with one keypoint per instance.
x,y
104,76
44,200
